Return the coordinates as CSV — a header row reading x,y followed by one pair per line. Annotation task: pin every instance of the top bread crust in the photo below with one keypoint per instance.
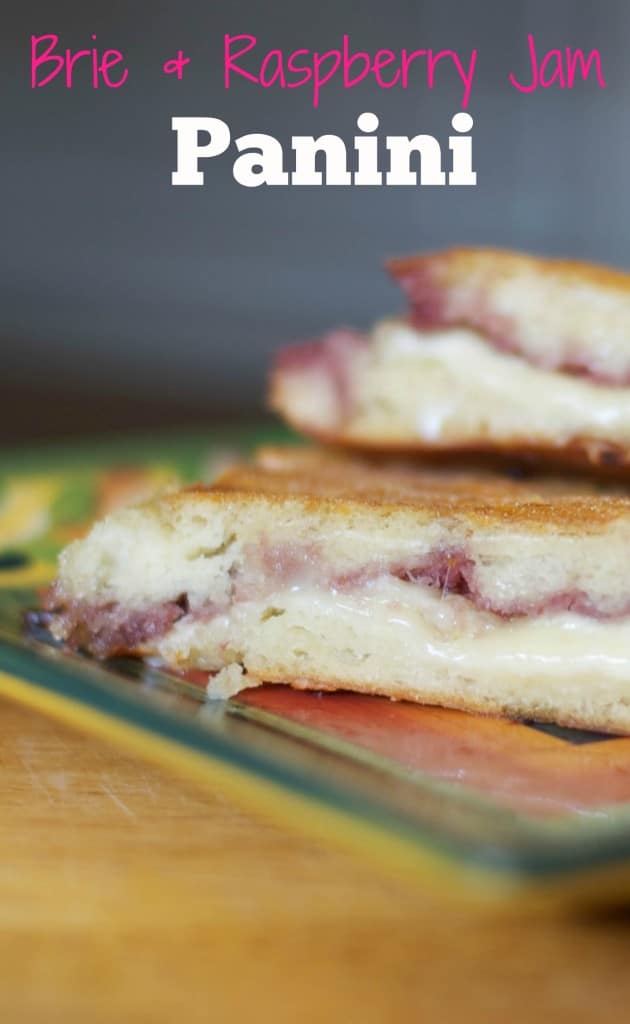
x,y
463,262
320,483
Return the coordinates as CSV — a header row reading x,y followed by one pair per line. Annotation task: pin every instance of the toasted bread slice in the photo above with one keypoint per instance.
x,y
560,315
447,390
449,475
477,593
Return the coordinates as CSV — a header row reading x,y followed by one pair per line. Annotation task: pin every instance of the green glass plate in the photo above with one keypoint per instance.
x,y
480,806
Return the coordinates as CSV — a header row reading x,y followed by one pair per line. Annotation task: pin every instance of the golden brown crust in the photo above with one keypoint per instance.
x,y
351,486
461,262
525,465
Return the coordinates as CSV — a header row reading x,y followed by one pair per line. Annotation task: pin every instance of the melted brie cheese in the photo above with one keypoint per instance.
x,y
450,385
410,641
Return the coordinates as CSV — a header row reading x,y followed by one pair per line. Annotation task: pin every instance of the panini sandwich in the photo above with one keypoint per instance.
x,y
473,592
500,353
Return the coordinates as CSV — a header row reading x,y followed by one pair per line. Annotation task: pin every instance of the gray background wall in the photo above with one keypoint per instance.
x,y
124,301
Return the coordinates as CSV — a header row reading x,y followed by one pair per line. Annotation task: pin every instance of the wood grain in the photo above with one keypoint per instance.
x,y
125,894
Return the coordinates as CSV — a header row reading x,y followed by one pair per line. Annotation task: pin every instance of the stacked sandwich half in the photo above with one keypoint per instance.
x,y
426,579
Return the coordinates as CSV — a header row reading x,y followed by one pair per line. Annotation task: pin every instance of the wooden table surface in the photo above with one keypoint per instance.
x,y
128,895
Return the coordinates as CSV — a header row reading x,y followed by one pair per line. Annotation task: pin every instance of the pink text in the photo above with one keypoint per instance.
x,y
310,67
559,67
48,62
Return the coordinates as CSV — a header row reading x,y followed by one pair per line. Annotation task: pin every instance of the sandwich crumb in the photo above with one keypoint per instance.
x,y
229,681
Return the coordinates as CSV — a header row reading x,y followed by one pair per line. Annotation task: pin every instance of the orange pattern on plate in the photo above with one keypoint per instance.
x,y
520,766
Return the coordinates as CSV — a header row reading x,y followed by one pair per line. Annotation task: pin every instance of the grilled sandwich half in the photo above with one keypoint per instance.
x,y
500,353
474,592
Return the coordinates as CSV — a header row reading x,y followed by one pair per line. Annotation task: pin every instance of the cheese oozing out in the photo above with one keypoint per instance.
x,y
413,643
